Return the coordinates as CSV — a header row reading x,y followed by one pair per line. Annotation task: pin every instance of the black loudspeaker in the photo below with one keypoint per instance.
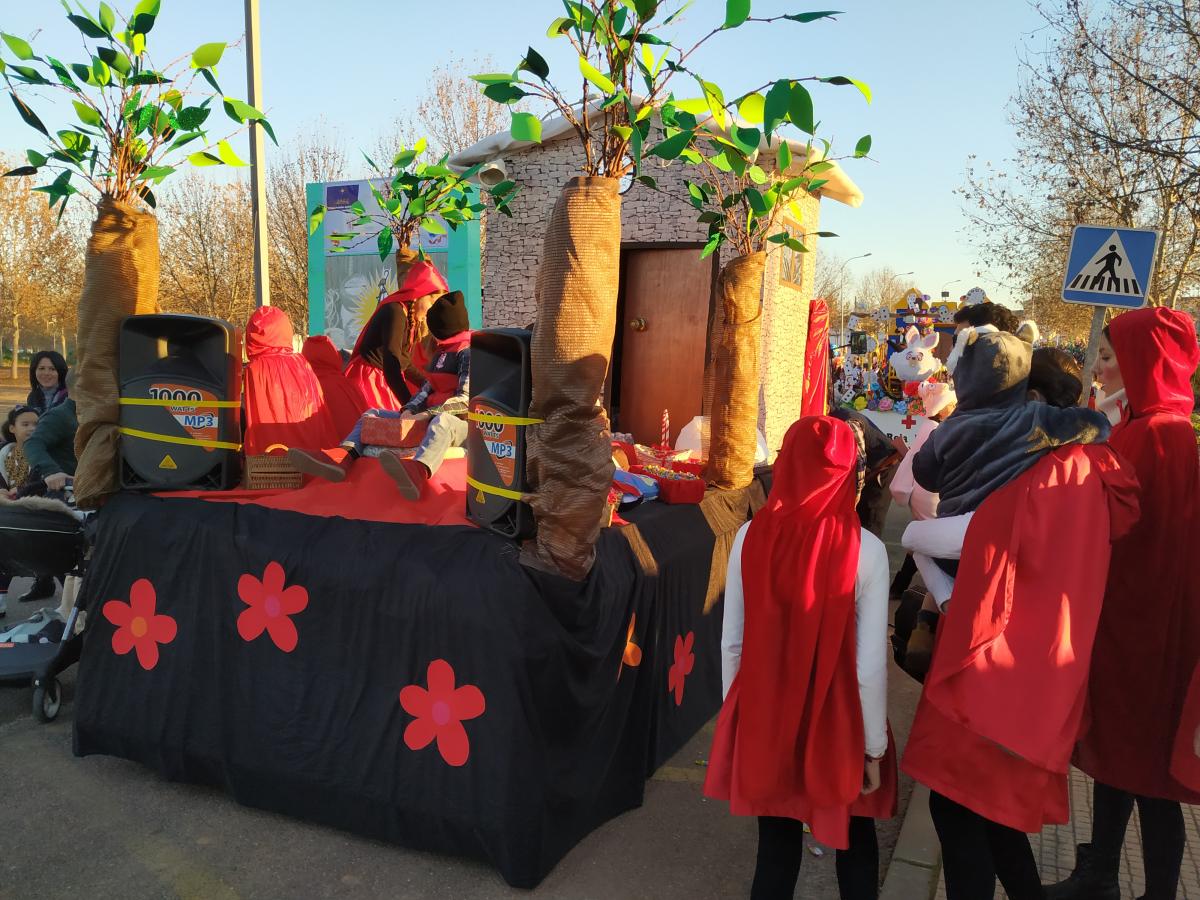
x,y
501,389
181,420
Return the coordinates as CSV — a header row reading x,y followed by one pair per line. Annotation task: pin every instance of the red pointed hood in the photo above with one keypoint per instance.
x,y
422,279
1157,352
322,355
268,331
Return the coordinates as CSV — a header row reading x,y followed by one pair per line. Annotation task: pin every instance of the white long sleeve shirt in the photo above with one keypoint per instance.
x,y
904,487
871,616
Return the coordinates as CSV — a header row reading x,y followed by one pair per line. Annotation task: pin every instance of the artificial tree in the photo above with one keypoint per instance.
x,y
135,125
625,67
747,176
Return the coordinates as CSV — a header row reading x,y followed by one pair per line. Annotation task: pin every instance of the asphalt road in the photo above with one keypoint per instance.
x,y
102,828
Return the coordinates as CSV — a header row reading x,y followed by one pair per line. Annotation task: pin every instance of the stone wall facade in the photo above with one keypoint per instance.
x,y
514,247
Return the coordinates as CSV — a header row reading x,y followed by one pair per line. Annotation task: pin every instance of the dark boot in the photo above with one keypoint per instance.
x,y
1094,878
410,476
43,589
318,465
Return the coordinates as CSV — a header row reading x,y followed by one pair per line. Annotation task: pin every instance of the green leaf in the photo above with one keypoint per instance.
x,y
752,108
648,182
227,155
184,139
526,127
114,58
28,74
208,55
266,126
74,141
315,218
747,139
21,171
383,243
192,117
697,195
174,99
433,226
240,111
107,17
148,78
18,46
679,12
800,110
775,109
736,12
716,102
784,161
624,132
101,72
818,167
813,16
713,243
403,159
203,159
28,115
357,208
863,147
672,146
494,78
558,27
142,21
757,175
592,74
156,173
536,64
86,114
843,80
503,93
755,200
63,73
652,39
720,161
211,79
35,159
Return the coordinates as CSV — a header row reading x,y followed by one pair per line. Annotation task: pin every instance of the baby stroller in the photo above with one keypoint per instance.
x,y
42,537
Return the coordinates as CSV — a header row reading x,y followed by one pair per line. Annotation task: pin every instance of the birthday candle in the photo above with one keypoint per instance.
x,y
666,430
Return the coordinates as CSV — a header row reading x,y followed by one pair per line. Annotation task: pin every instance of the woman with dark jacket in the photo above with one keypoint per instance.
x,y
47,380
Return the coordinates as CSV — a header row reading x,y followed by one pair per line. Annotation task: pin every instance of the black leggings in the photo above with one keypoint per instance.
x,y
975,851
904,576
781,850
1163,835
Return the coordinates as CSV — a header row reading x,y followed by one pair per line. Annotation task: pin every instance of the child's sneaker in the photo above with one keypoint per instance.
x,y
410,476
318,465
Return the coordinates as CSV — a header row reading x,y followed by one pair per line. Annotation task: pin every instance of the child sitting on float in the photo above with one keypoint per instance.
x,y
444,357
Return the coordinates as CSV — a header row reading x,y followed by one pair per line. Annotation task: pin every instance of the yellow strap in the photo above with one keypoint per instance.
x,y
499,492
191,404
172,439
503,420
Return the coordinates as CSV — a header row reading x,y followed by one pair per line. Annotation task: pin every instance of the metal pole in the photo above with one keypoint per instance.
x,y
1093,350
258,181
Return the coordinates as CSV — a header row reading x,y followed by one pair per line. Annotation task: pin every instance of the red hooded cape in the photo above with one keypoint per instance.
x,y
1149,638
344,400
283,399
816,361
789,739
422,279
1004,699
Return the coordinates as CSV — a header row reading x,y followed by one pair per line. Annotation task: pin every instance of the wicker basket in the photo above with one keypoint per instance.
x,y
272,473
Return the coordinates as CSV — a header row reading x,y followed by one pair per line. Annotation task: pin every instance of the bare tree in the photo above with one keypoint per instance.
x,y
308,160
206,266
40,262
878,287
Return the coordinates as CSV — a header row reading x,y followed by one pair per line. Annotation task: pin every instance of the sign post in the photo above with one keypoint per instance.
x,y
1107,267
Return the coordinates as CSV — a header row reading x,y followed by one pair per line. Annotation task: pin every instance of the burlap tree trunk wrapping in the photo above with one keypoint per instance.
x,y
569,467
120,279
733,429
405,257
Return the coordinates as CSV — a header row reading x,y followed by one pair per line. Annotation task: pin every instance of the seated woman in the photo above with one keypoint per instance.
x,y
284,403
444,357
14,471
381,366
47,381
344,398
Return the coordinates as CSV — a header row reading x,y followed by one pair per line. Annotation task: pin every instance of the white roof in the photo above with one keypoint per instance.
x,y
839,186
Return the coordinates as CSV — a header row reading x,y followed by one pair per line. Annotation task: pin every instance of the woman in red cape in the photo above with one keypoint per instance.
x,y
381,366
285,406
1003,702
344,399
802,733
1148,642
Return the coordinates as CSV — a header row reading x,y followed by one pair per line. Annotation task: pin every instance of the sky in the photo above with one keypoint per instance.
x,y
941,73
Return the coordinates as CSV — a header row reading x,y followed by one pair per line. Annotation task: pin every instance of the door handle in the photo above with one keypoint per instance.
x,y
638,324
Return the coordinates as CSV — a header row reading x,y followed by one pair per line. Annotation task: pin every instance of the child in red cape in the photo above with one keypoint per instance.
x,y
381,366
285,405
802,735
1148,642
344,399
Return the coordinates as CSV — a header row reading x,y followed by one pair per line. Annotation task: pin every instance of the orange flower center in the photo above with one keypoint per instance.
x,y
440,711
138,627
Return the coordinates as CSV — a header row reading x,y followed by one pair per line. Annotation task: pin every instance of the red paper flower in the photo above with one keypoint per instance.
x,y
633,653
440,712
269,606
139,627
682,667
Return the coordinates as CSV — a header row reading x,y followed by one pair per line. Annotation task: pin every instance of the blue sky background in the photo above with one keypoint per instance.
x,y
941,72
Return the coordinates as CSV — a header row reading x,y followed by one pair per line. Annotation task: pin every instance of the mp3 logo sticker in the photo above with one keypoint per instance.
x,y
1110,266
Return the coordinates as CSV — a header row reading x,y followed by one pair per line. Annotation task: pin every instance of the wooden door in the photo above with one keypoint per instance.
x,y
664,332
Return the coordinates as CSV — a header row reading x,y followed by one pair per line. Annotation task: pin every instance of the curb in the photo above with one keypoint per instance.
x,y
916,862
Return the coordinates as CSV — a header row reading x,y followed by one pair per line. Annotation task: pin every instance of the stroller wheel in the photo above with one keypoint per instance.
x,y
47,700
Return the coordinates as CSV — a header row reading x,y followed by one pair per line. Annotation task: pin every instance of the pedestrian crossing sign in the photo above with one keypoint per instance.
x,y
1110,266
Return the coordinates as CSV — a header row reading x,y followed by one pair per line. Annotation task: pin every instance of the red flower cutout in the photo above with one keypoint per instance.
x,y
633,653
269,606
139,627
682,667
440,712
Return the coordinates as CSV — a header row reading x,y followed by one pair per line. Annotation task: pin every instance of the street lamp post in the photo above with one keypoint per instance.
x,y
942,289
841,303
258,180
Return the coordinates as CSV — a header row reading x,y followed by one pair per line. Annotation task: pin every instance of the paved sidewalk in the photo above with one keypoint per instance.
x,y
1055,847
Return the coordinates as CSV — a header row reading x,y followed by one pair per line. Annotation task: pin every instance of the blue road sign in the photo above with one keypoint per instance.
x,y
1110,266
